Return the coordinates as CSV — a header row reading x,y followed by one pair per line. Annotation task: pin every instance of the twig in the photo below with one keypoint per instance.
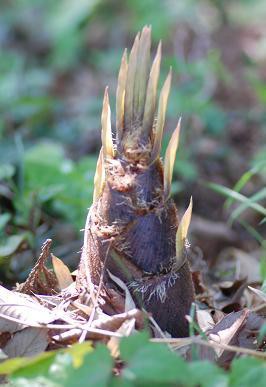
x,y
61,326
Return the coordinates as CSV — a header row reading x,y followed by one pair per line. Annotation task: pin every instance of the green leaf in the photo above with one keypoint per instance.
x,y
247,372
78,351
119,381
23,366
95,371
130,345
40,364
49,176
11,244
4,219
63,369
6,171
155,363
45,153
206,374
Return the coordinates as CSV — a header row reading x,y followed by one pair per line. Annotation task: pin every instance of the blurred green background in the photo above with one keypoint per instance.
x,y
56,59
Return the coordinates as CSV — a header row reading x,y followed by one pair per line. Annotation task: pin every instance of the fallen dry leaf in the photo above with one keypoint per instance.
x,y
62,273
248,335
228,295
40,280
227,332
204,319
23,311
238,264
113,323
28,342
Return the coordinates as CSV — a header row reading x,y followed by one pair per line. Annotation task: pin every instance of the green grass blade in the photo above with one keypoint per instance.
x,y
244,180
236,196
244,206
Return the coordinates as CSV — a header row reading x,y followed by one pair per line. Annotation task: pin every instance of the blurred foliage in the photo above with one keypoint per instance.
x,y
57,57
145,364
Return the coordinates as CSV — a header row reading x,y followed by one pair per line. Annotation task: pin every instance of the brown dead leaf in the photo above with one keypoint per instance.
x,y
102,328
18,312
40,280
237,265
28,342
113,323
204,320
62,273
248,335
228,295
229,288
217,315
227,332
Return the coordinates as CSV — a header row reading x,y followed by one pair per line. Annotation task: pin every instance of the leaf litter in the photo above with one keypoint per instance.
x,y
36,317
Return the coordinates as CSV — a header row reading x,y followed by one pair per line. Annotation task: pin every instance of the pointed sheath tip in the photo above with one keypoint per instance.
x,y
136,41
106,96
157,60
167,83
146,28
166,89
163,100
181,234
145,37
130,82
159,48
169,76
169,161
158,55
124,56
99,177
120,96
123,59
106,107
107,141
151,94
